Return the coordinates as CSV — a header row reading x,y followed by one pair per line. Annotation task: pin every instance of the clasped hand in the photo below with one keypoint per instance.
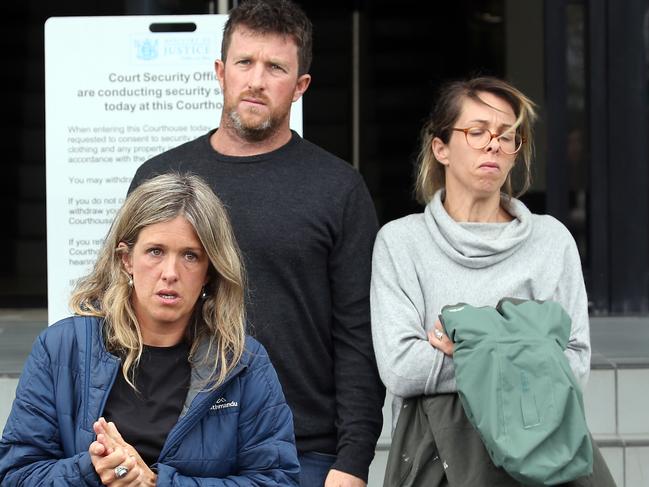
x,y
110,451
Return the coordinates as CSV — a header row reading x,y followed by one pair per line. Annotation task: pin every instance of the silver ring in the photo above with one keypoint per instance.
x,y
121,471
438,334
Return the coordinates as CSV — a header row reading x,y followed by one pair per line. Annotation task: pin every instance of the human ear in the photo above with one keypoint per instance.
x,y
301,86
219,69
125,254
440,151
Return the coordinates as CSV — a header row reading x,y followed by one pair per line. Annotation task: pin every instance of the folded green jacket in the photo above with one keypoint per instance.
x,y
518,390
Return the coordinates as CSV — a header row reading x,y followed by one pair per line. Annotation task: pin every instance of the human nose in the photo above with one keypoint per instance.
x,y
170,269
494,143
256,79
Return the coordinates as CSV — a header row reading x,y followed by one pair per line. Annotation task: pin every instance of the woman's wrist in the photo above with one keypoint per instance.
x,y
151,478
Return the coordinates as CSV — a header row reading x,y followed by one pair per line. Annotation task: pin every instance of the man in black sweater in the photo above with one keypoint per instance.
x,y
306,224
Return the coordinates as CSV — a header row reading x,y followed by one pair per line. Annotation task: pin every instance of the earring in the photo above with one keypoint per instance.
x,y
130,280
204,293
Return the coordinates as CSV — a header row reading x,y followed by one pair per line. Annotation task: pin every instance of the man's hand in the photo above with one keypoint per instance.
x,y
336,478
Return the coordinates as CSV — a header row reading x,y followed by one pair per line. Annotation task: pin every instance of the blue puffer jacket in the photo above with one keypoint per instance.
x,y
240,434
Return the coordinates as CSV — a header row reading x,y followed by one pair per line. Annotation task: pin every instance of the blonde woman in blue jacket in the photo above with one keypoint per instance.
x,y
153,382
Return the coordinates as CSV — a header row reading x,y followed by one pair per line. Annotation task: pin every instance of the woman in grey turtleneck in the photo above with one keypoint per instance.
x,y
473,243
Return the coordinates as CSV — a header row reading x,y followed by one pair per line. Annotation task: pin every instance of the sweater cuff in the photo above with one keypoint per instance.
x,y
354,460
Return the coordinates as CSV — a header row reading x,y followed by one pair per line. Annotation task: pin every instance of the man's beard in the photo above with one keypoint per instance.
x,y
253,133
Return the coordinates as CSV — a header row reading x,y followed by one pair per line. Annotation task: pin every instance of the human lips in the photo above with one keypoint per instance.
x,y
490,166
168,295
255,100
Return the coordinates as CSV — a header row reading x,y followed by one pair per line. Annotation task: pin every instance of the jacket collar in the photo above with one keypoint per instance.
x,y
201,376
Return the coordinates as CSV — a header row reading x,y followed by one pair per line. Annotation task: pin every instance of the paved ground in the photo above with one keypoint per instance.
x,y
18,329
621,342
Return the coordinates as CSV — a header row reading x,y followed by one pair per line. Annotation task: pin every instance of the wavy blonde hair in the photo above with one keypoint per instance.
x,y
448,108
218,319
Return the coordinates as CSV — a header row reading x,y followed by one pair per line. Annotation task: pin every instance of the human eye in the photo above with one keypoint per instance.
x,y
476,131
191,256
507,137
154,252
277,67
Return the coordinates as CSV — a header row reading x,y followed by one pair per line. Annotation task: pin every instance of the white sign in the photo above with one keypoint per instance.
x,y
118,91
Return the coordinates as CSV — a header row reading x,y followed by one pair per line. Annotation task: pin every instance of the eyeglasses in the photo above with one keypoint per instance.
x,y
479,138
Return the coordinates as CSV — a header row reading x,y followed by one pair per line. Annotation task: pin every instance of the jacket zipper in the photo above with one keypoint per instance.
x,y
86,391
104,399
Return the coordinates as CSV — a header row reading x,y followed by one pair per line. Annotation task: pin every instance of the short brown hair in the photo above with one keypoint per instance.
x,y
442,118
282,17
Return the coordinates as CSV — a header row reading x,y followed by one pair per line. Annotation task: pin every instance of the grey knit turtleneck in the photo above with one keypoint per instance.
x,y
425,261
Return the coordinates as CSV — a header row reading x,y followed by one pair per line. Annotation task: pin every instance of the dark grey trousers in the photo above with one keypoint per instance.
x,y
434,444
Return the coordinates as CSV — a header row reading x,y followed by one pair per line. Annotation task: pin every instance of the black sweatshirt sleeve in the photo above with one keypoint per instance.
x,y
359,391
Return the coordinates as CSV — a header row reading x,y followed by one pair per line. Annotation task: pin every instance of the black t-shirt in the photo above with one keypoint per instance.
x,y
145,417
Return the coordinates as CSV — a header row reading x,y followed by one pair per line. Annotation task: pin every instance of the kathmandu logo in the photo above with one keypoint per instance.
x,y
223,403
